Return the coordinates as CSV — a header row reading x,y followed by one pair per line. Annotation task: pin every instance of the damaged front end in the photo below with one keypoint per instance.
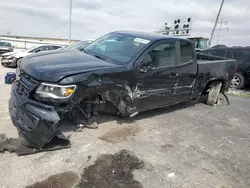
x,y
36,109
37,123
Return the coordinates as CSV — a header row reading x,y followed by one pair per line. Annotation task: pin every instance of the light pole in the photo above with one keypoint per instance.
x,y
70,12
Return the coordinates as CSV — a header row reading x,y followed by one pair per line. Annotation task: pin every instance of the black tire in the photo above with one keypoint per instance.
x,y
214,93
238,81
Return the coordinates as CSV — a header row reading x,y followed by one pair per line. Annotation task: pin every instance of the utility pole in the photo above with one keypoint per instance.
x,y
215,24
70,12
220,29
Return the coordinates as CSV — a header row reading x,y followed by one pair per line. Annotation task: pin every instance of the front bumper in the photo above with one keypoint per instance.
x,y
9,62
36,122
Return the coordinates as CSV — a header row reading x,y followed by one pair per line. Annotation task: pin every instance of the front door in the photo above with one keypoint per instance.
x,y
156,85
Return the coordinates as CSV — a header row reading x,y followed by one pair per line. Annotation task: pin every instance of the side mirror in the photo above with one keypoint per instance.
x,y
146,68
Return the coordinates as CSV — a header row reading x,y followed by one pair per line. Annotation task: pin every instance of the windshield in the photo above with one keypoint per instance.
x,y
5,44
200,43
78,45
203,44
116,48
31,48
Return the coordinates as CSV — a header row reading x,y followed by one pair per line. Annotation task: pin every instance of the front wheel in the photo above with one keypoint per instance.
x,y
238,81
214,93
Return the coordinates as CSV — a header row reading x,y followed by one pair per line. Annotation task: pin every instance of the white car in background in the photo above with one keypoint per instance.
x,y
10,59
80,45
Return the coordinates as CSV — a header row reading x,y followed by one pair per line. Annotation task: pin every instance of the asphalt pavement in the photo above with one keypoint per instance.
x,y
182,146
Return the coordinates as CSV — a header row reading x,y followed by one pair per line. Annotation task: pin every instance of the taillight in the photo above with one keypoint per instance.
x,y
235,68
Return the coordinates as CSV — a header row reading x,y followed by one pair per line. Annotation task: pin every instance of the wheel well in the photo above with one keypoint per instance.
x,y
208,85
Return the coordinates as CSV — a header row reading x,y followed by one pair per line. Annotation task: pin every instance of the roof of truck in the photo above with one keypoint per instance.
x,y
146,35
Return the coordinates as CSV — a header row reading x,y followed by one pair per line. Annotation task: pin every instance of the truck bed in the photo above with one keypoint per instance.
x,y
214,68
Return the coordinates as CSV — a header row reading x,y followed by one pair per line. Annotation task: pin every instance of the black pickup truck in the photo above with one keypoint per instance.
x,y
123,72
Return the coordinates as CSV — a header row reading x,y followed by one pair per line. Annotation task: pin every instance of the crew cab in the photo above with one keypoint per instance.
x,y
123,72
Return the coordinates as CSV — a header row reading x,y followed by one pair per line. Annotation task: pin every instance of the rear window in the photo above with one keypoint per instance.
x,y
243,54
186,52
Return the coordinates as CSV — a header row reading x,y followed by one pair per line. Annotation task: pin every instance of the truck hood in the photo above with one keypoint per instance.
x,y
53,66
8,54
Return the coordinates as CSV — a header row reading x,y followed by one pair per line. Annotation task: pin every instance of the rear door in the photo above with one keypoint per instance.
x,y
187,67
156,86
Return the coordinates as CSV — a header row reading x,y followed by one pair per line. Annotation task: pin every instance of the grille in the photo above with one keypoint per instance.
x,y
26,84
22,89
28,79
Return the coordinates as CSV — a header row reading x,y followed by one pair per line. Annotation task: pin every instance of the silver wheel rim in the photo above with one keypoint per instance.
x,y
235,81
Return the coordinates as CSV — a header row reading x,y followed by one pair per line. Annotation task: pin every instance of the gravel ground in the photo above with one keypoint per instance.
x,y
181,146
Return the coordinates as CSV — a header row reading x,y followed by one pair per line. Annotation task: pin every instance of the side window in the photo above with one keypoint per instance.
x,y
49,48
45,48
37,50
56,47
186,50
163,55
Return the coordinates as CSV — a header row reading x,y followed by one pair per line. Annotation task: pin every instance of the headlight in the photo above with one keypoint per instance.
x,y
46,90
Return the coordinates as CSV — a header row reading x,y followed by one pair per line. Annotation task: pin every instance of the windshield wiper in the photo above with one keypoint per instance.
x,y
97,56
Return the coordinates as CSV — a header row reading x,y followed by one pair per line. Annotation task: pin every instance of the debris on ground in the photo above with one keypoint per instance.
x,y
13,145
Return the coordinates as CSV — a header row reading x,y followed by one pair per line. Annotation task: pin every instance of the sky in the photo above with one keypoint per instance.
x,y
94,18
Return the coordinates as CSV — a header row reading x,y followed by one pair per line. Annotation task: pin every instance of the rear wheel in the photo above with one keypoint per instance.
x,y
238,81
214,93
